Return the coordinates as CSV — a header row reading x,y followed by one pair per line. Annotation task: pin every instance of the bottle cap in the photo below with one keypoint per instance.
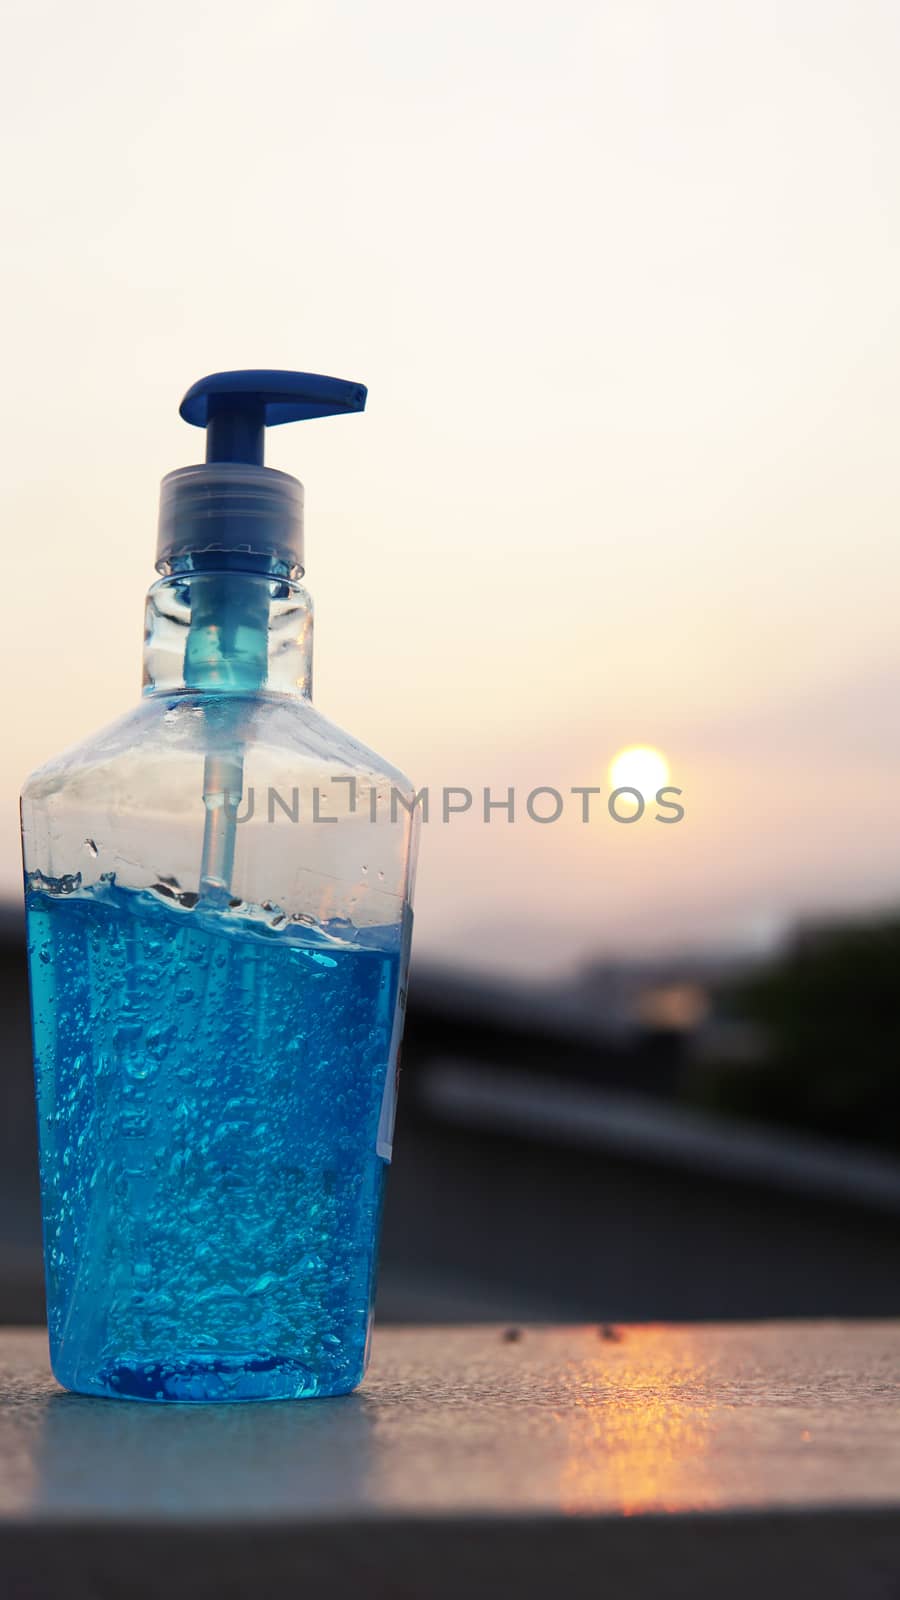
x,y
233,503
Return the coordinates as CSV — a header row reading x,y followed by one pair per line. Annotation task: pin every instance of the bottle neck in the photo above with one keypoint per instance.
x,y
221,630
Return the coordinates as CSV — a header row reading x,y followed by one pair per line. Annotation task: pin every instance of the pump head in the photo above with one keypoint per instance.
x,y
234,504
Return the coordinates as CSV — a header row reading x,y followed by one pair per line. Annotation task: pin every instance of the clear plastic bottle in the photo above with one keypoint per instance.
x,y
218,892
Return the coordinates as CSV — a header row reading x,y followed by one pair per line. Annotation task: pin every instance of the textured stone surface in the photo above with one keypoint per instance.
x,y
730,1447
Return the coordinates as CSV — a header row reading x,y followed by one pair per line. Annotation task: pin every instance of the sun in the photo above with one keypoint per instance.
x,y
639,767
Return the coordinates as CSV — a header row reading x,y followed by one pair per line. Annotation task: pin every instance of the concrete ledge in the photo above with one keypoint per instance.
x,y
853,1556
664,1461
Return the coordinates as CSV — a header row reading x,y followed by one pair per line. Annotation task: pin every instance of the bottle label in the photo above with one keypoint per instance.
x,y
384,1143
384,1139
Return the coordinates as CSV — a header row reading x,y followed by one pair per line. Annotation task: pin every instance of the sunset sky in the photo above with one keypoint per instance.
x,y
622,280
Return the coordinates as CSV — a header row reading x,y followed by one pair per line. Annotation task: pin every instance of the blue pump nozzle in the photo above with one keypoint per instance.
x,y
234,503
235,408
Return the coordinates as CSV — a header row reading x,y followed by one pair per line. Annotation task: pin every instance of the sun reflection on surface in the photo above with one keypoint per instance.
x,y
640,1431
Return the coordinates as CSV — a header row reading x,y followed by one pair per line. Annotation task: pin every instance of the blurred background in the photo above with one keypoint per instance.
x,y
621,278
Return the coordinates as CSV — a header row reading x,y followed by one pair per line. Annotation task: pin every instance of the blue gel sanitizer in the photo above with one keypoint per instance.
x,y
218,892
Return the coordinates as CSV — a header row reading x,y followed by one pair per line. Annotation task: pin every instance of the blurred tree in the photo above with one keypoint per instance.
x,y
830,1015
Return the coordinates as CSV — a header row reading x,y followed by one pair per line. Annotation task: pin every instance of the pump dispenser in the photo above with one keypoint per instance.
x,y
218,894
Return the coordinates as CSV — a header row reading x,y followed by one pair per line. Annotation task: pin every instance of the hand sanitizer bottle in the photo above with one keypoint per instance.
x,y
218,892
